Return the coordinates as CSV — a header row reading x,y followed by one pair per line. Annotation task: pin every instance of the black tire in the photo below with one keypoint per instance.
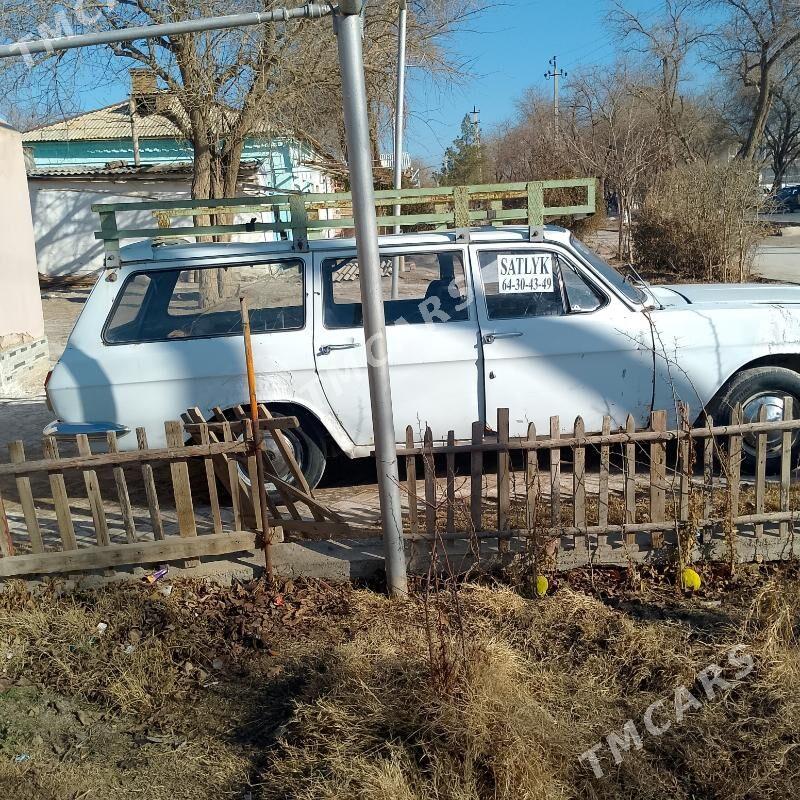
x,y
308,453
753,388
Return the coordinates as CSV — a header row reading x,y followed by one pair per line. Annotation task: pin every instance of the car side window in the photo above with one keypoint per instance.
x,y
204,302
521,283
582,297
431,288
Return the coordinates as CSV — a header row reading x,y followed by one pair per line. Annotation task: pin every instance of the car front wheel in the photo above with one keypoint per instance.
x,y
755,389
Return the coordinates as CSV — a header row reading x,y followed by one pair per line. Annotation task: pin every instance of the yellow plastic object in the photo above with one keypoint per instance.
x,y
691,580
542,585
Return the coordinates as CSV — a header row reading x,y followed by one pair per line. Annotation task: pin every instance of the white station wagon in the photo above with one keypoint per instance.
x,y
540,327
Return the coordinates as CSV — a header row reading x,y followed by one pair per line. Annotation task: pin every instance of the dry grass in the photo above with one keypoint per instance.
x,y
495,697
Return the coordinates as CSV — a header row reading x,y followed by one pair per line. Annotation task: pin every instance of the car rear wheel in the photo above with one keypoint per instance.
x,y
754,389
306,450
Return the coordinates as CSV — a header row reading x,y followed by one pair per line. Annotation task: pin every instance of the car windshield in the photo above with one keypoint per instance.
x,y
630,291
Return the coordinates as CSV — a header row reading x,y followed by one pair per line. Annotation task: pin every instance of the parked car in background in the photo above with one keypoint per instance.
x,y
542,327
787,200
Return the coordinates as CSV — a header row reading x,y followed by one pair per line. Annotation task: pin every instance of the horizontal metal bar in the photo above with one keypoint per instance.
x,y
27,48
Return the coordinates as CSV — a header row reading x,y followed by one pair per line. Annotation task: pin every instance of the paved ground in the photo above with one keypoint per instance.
x,y
778,257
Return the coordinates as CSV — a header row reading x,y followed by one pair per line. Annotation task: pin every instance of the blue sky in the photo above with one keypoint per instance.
x,y
510,48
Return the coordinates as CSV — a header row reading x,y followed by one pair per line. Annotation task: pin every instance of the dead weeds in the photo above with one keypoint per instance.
x,y
320,691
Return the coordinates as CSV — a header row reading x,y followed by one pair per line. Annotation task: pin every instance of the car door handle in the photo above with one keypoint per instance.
x,y
325,349
488,338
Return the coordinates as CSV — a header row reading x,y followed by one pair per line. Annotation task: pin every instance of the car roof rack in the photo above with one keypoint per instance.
x,y
301,215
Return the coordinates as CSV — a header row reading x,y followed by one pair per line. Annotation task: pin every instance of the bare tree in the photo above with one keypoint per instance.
x,y
782,130
756,37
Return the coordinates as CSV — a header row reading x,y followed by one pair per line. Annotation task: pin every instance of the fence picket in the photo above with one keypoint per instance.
x,y
58,489
6,543
786,463
629,477
658,476
761,471
685,468
150,489
579,476
234,483
187,526
605,463
451,484
122,492
735,463
211,481
476,478
411,484
93,493
555,475
531,482
503,478
430,483
16,451
708,478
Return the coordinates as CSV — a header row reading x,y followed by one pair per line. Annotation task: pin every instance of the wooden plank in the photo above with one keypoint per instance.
x,y
181,486
173,548
16,451
579,478
531,482
555,474
95,497
285,449
685,467
761,471
150,489
120,459
6,542
786,464
735,463
255,496
411,483
126,511
430,483
605,465
58,489
234,482
503,477
211,480
476,477
629,478
658,475
193,423
708,477
450,524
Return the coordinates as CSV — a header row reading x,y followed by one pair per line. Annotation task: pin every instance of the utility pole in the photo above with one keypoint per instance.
x,y
349,31
475,118
399,111
555,73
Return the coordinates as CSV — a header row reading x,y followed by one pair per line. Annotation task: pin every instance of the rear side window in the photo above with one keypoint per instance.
x,y
431,287
198,303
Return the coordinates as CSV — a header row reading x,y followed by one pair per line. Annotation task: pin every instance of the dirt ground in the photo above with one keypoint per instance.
x,y
311,690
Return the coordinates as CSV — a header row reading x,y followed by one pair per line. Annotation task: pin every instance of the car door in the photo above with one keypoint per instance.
x,y
557,341
432,341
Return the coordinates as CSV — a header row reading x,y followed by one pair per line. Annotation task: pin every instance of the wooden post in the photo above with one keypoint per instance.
x,y
411,484
451,484
122,492
150,489
555,475
58,489
685,467
503,477
605,464
430,483
211,480
181,485
234,484
761,471
708,478
735,463
658,476
629,477
476,478
261,490
6,543
579,478
16,451
531,481
786,464
93,494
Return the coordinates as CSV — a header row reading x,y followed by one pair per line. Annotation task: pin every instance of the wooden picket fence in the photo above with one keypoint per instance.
x,y
115,532
641,485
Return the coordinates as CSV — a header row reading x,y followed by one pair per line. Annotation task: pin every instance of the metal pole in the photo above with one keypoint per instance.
x,y
351,61
399,111
555,74
27,48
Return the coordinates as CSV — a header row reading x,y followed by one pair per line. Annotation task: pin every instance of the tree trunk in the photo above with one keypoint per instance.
x,y
759,121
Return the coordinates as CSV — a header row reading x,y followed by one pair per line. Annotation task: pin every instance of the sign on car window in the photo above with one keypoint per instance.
x,y
519,273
